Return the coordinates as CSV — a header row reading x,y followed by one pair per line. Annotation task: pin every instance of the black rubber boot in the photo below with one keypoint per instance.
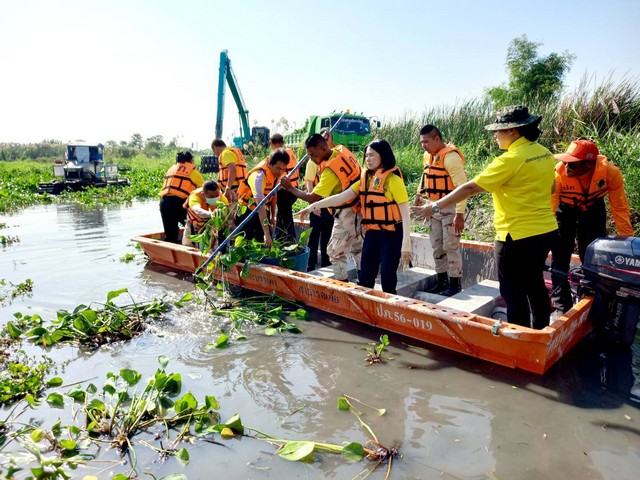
x,y
454,287
442,284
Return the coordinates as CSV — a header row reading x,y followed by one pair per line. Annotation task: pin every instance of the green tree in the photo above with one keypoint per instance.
x,y
136,141
531,75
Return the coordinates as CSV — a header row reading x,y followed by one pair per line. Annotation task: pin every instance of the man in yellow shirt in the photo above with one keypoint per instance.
x,y
443,171
200,206
322,223
233,168
340,171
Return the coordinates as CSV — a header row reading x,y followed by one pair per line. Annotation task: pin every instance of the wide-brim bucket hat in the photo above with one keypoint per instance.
x,y
513,116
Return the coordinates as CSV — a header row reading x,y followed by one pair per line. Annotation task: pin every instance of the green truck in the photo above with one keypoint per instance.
x,y
353,131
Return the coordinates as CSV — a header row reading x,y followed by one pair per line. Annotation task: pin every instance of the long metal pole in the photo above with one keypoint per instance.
x,y
262,202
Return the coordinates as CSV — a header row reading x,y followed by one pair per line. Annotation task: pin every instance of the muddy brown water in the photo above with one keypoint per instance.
x,y
453,417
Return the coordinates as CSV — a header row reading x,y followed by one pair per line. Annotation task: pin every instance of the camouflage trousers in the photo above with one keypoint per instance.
x,y
445,243
346,240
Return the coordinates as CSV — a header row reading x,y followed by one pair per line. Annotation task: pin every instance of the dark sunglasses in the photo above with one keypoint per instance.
x,y
577,164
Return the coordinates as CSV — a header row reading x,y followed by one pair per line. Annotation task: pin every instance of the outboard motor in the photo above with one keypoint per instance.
x,y
611,272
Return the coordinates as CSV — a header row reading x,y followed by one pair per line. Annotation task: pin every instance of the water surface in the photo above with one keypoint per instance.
x,y
453,416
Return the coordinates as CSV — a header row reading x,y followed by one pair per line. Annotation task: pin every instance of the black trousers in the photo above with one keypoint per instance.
x,y
285,228
381,251
253,228
573,223
320,235
172,213
521,265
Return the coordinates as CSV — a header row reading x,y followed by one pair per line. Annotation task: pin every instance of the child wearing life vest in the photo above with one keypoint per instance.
x,y
383,200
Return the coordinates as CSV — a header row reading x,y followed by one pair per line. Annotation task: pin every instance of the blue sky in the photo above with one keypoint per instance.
x,y
104,70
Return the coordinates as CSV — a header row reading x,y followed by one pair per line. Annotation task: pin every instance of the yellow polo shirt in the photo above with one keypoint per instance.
x,y
520,182
329,183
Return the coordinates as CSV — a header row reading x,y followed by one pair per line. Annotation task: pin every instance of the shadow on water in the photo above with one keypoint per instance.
x,y
592,375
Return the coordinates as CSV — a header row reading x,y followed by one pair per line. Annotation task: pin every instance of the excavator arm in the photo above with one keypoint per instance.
x,y
226,75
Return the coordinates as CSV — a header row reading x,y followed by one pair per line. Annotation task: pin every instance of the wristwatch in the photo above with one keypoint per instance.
x,y
435,208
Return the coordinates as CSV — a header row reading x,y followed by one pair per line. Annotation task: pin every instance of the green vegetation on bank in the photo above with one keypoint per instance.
x,y
607,113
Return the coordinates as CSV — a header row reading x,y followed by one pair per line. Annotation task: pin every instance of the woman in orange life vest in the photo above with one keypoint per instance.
x,y
260,180
180,180
385,216
200,205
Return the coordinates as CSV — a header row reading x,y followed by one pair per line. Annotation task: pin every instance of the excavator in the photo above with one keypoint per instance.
x,y
255,135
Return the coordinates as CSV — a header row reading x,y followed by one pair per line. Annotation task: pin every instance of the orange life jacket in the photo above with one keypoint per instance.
x,y
347,169
177,181
436,181
196,220
378,212
292,163
241,170
572,193
268,183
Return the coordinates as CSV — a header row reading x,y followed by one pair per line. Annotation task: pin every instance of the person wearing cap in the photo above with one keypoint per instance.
x,y
322,223
520,182
583,179
285,228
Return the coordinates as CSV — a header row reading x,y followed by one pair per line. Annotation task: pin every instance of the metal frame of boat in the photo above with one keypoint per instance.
x,y
440,324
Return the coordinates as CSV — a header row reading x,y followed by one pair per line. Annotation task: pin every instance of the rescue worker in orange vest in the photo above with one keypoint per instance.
x,y
260,180
285,229
180,180
321,223
233,169
200,205
583,179
385,216
339,171
443,172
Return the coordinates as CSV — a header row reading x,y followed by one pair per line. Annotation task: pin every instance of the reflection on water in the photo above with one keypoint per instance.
x,y
453,416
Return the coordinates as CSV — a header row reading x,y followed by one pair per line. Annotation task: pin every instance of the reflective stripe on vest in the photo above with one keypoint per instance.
x,y
436,181
241,170
573,195
268,183
177,181
378,212
346,168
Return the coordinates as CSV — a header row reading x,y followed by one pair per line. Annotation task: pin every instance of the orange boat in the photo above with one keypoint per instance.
x,y
461,323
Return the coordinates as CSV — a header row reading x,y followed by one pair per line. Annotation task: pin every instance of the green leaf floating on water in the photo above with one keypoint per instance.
x,y
55,399
183,455
353,451
343,404
297,451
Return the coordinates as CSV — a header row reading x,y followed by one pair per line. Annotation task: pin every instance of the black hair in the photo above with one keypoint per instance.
x,y
314,140
184,157
279,155
276,138
531,132
428,129
386,154
218,143
210,186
